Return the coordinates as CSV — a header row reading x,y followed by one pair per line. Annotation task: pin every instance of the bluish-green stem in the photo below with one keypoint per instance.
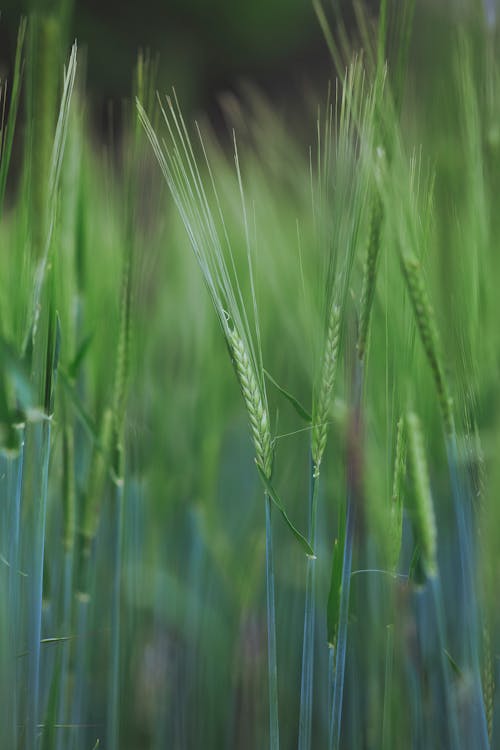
x,y
416,713
463,519
272,661
341,644
450,703
113,728
306,687
66,645
351,502
12,527
331,680
468,603
40,436
389,659
80,675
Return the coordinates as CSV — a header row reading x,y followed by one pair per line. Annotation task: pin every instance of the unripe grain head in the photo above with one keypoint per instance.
x,y
425,521
323,397
396,508
370,275
424,317
254,402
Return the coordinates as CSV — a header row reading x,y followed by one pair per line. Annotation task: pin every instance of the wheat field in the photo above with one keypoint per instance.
x,y
249,403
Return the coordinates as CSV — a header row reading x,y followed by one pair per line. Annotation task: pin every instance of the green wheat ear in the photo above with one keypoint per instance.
x,y
426,324
425,521
370,274
488,680
322,403
254,402
396,509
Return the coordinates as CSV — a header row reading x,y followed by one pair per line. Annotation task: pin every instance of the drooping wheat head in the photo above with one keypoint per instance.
x,y
200,209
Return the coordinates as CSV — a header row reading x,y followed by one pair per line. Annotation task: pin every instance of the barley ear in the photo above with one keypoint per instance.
x,y
425,521
424,316
396,509
254,402
323,397
370,275
488,680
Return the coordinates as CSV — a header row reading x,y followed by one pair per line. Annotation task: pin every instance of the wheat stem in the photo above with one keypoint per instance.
x,y
307,679
352,500
272,659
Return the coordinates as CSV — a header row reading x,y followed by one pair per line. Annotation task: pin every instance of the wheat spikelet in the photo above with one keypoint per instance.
x,y
424,316
424,509
327,381
396,510
370,275
256,408
488,681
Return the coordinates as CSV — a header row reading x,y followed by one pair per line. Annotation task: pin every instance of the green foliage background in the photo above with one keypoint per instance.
x,y
132,535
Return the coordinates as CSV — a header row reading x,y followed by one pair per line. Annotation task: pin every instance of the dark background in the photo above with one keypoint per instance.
x,y
207,47
204,47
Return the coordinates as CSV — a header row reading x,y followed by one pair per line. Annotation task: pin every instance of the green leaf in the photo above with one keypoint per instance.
x,y
15,369
79,356
416,572
52,360
303,413
333,604
57,639
16,397
276,500
9,436
456,669
85,419
7,135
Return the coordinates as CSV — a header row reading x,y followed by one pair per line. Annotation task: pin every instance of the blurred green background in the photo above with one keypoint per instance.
x,y
189,586
203,48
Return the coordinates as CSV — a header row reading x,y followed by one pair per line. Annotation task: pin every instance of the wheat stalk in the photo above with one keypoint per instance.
x,y
210,242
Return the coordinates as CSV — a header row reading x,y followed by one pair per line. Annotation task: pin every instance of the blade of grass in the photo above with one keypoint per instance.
x,y
296,404
273,495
